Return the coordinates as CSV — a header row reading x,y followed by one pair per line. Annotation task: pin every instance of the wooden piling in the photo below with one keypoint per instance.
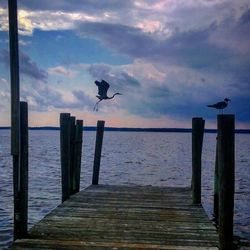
x,y
15,113
14,82
65,154
72,152
77,156
216,187
20,174
226,166
98,151
197,140
16,189
24,163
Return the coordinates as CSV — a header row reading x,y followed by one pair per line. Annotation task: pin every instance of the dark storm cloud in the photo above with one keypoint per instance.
x,y
190,48
235,37
124,39
208,47
245,18
26,65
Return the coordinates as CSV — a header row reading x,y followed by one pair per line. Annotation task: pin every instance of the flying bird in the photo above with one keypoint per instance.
x,y
103,87
220,105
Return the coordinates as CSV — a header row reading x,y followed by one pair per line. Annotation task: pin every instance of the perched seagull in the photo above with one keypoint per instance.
x,y
220,105
103,87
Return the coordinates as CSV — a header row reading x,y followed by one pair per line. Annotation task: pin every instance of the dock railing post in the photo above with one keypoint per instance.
x,y
226,166
24,163
98,152
197,140
65,154
77,156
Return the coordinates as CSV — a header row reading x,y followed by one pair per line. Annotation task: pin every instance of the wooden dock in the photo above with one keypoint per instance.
x,y
124,217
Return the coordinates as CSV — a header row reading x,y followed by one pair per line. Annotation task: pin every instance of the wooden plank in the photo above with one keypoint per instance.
x,y
45,244
120,217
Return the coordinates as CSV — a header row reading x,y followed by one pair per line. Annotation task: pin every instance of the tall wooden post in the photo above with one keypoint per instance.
x,y
197,140
14,78
72,152
77,156
65,154
24,163
15,112
216,187
226,165
21,178
98,152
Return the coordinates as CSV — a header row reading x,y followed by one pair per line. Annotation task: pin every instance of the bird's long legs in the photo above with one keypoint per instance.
x,y
96,106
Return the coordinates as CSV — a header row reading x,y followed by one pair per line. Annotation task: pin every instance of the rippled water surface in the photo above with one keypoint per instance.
x,y
160,159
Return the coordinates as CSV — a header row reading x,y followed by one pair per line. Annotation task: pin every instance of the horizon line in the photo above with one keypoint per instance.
x,y
133,129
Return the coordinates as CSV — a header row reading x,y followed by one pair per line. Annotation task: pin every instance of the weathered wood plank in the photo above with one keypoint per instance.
x,y
45,244
121,217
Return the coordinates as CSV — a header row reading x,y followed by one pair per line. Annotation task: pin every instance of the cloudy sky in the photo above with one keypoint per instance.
x,y
169,59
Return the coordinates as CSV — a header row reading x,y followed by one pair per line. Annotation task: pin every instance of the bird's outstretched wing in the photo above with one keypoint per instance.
x,y
103,87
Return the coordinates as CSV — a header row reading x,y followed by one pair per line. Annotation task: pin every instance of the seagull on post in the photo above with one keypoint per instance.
x,y
220,105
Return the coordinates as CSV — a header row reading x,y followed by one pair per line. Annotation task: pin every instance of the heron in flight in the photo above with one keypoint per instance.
x,y
103,87
220,105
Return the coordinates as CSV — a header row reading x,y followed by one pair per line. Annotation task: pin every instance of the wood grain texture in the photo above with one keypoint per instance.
x,y
121,217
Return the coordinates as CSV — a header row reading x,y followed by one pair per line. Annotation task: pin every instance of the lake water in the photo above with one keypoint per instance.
x,y
143,158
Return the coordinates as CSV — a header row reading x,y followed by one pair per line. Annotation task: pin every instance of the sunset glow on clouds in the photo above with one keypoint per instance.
x,y
169,58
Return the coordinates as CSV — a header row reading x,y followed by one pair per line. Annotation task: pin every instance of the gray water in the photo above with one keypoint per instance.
x,y
142,158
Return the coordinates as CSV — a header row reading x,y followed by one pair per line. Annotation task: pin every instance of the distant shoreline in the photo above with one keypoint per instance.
x,y
120,129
